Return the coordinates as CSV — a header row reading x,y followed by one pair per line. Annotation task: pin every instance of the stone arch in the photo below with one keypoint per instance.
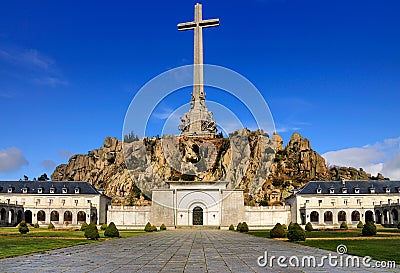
x,y
20,216
3,215
328,216
341,216
81,217
67,216
355,216
378,217
28,217
395,215
385,217
314,217
54,216
369,216
11,216
41,216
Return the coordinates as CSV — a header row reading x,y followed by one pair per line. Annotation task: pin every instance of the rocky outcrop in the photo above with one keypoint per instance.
x,y
260,166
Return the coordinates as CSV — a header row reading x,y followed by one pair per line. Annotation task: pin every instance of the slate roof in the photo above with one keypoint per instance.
x,y
32,187
364,186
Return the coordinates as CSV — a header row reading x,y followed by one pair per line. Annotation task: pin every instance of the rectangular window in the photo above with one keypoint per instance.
x,y
358,201
51,201
319,202
76,201
38,201
307,201
63,201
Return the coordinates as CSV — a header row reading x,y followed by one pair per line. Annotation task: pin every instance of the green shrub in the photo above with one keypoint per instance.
x,y
343,225
36,225
243,227
296,233
398,225
153,228
239,226
111,231
23,227
103,227
369,229
284,227
231,227
91,232
147,228
278,231
51,226
290,225
163,227
84,226
309,227
360,225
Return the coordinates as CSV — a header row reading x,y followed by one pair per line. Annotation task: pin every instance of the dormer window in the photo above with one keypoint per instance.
x,y
25,190
52,189
371,190
356,190
77,190
344,190
387,189
10,189
64,190
397,189
319,190
331,190
40,190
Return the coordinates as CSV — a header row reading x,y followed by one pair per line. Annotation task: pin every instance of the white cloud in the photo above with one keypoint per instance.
x,y
27,58
65,153
48,164
12,159
381,157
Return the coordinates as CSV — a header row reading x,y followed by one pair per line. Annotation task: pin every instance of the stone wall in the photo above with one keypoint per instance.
x,y
129,217
266,217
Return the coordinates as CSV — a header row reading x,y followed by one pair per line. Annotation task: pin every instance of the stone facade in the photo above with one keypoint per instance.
x,y
328,204
10,214
61,203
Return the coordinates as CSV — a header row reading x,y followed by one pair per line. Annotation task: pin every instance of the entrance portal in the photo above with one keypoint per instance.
x,y
197,216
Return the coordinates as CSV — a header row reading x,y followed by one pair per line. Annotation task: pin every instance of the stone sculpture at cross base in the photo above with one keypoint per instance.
x,y
199,120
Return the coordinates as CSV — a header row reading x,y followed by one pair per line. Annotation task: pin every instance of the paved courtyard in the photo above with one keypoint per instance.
x,y
172,251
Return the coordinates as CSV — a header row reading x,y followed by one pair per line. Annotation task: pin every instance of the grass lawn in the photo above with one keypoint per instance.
x,y
12,243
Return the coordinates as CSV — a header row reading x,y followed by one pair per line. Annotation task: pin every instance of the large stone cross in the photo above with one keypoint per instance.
x,y
198,96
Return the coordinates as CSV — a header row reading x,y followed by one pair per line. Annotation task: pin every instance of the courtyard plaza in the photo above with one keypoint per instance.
x,y
182,250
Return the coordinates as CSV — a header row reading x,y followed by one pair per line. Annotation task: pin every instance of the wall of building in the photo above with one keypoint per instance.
x,y
266,217
129,217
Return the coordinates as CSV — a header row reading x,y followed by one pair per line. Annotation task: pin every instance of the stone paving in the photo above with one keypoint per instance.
x,y
174,251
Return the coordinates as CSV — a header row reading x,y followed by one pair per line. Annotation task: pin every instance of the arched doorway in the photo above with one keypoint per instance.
x,y
28,217
68,216
41,216
54,216
19,216
378,217
369,216
314,217
11,216
355,216
395,215
81,217
197,216
328,217
341,216
3,216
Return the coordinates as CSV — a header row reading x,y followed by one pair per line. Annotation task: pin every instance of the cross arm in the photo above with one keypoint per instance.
x,y
209,23
186,26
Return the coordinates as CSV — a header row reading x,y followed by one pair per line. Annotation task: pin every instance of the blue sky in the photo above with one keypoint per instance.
x,y
329,70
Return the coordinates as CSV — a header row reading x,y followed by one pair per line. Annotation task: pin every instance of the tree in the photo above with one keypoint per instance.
x,y
111,231
130,137
296,233
103,227
398,225
51,226
23,227
147,228
43,177
84,226
309,227
360,225
369,229
163,227
91,232
343,225
231,227
278,231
